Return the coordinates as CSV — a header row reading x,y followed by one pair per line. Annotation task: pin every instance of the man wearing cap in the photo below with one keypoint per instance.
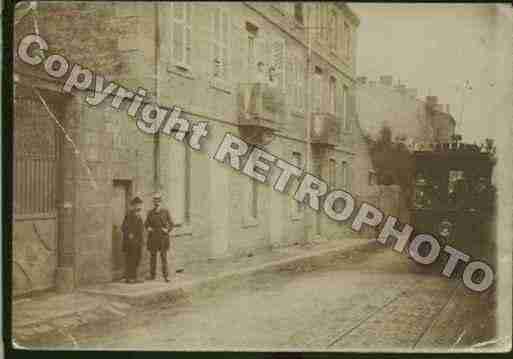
x,y
133,228
159,226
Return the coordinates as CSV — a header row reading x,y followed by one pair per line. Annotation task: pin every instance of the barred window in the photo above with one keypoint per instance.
x,y
35,159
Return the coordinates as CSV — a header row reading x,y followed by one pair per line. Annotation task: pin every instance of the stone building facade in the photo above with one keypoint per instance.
x,y
411,120
206,58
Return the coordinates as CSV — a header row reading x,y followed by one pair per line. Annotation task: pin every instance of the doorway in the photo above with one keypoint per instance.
x,y
119,205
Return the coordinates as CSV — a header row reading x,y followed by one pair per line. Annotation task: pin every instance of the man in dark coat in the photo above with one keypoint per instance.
x,y
159,225
133,228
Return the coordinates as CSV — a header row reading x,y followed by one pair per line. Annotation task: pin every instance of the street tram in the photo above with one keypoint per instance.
x,y
454,197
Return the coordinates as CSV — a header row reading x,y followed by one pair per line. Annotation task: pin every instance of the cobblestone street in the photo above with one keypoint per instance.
x,y
370,298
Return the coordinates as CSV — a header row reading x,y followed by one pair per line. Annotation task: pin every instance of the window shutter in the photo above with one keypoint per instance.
x,y
181,32
225,33
338,103
261,51
178,31
317,83
351,110
216,36
301,80
188,32
349,178
290,84
278,60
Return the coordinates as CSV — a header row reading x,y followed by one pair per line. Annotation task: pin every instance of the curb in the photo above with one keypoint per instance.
x,y
178,292
103,312
116,306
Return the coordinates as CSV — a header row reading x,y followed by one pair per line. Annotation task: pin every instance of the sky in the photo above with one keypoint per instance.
x,y
436,48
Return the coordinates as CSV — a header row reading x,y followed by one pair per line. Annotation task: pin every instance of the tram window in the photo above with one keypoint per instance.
x,y
457,187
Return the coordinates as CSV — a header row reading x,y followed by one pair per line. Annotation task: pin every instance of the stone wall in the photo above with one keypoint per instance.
x,y
130,43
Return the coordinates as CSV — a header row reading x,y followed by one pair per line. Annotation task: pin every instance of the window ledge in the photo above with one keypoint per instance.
x,y
297,112
181,70
296,216
250,222
182,229
221,85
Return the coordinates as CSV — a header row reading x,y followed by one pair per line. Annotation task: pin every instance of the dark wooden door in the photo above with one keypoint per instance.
x,y
119,207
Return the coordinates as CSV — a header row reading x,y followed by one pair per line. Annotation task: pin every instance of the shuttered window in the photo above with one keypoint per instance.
x,y
181,33
350,112
344,176
221,42
333,30
317,90
325,23
332,168
344,107
332,96
296,75
347,34
277,61
298,12
298,162
261,55
314,14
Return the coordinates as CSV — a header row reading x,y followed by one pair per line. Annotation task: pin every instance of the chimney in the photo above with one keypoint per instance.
x,y
386,80
361,80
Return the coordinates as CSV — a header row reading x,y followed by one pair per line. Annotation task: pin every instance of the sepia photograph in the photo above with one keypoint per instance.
x,y
259,176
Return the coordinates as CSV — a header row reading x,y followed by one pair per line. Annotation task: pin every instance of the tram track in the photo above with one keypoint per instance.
x,y
366,319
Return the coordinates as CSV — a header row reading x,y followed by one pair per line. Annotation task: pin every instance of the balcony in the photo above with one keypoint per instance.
x,y
324,129
261,106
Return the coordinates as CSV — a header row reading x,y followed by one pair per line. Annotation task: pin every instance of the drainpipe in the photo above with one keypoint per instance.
x,y
156,138
308,113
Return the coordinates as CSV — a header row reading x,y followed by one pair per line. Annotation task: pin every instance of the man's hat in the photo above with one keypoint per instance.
x,y
136,200
157,196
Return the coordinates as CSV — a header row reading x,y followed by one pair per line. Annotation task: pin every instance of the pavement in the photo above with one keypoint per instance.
x,y
49,313
367,298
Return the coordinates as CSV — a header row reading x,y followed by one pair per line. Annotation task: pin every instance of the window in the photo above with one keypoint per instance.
x,y
297,74
220,42
347,33
348,103
317,90
298,12
332,168
345,106
333,30
315,18
255,49
332,95
297,161
373,180
181,33
180,182
325,30
35,161
340,40
254,198
344,176
276,71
